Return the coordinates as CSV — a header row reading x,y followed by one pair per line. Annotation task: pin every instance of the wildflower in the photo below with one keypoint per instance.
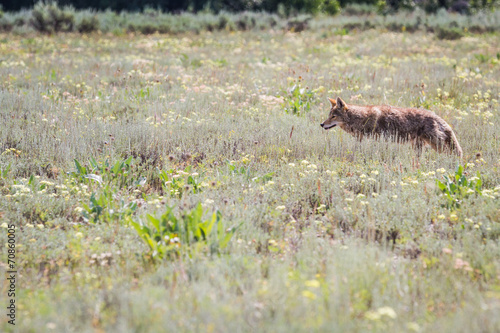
x,y
291,164
372,315
462,264
387,311
305,162
280,208
441,170
312,283
51,326
413,327
78,235
374,172
308,294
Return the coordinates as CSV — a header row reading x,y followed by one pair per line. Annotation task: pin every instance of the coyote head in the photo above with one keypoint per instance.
x,y
336,115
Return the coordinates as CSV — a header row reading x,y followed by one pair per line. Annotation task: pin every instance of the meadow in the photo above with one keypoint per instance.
x,y
181,182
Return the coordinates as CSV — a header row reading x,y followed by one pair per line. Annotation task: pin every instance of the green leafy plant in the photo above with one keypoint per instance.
x,y
176,182
298,99
482,58
170,235
143,94
106,207
4,171
235,170
458,187
119,173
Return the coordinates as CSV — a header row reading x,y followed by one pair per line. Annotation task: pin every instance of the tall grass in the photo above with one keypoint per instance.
x,y
333,234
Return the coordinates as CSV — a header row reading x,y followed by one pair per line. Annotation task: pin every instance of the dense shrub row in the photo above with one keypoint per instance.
x,y
282,7
51,18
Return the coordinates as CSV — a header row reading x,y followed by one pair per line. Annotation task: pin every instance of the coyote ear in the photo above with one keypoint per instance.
x,y
340,103
332,101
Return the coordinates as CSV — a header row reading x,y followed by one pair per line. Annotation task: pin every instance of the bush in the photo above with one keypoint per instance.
x,y
357,9
330,7
88,25
449,33
5,24
298,24
19,22
245,22
48,17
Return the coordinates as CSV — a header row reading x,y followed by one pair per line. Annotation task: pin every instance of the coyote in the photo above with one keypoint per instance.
x,y
418,126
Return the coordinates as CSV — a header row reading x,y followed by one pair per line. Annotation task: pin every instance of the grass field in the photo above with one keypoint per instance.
x,y
266,221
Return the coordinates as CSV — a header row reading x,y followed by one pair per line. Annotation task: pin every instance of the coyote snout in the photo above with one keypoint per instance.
x,y
418,126
327,126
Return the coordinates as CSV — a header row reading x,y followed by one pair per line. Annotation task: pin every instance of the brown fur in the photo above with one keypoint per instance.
x,y
417,126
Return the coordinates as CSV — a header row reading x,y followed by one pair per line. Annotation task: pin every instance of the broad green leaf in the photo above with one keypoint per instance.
x,y
154,221
81,170
128,161
117,167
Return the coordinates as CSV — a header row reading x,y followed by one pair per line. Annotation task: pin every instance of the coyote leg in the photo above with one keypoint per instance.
x,y
417,144
437,147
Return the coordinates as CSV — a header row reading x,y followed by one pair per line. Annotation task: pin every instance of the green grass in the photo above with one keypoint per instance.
x,y
329,234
